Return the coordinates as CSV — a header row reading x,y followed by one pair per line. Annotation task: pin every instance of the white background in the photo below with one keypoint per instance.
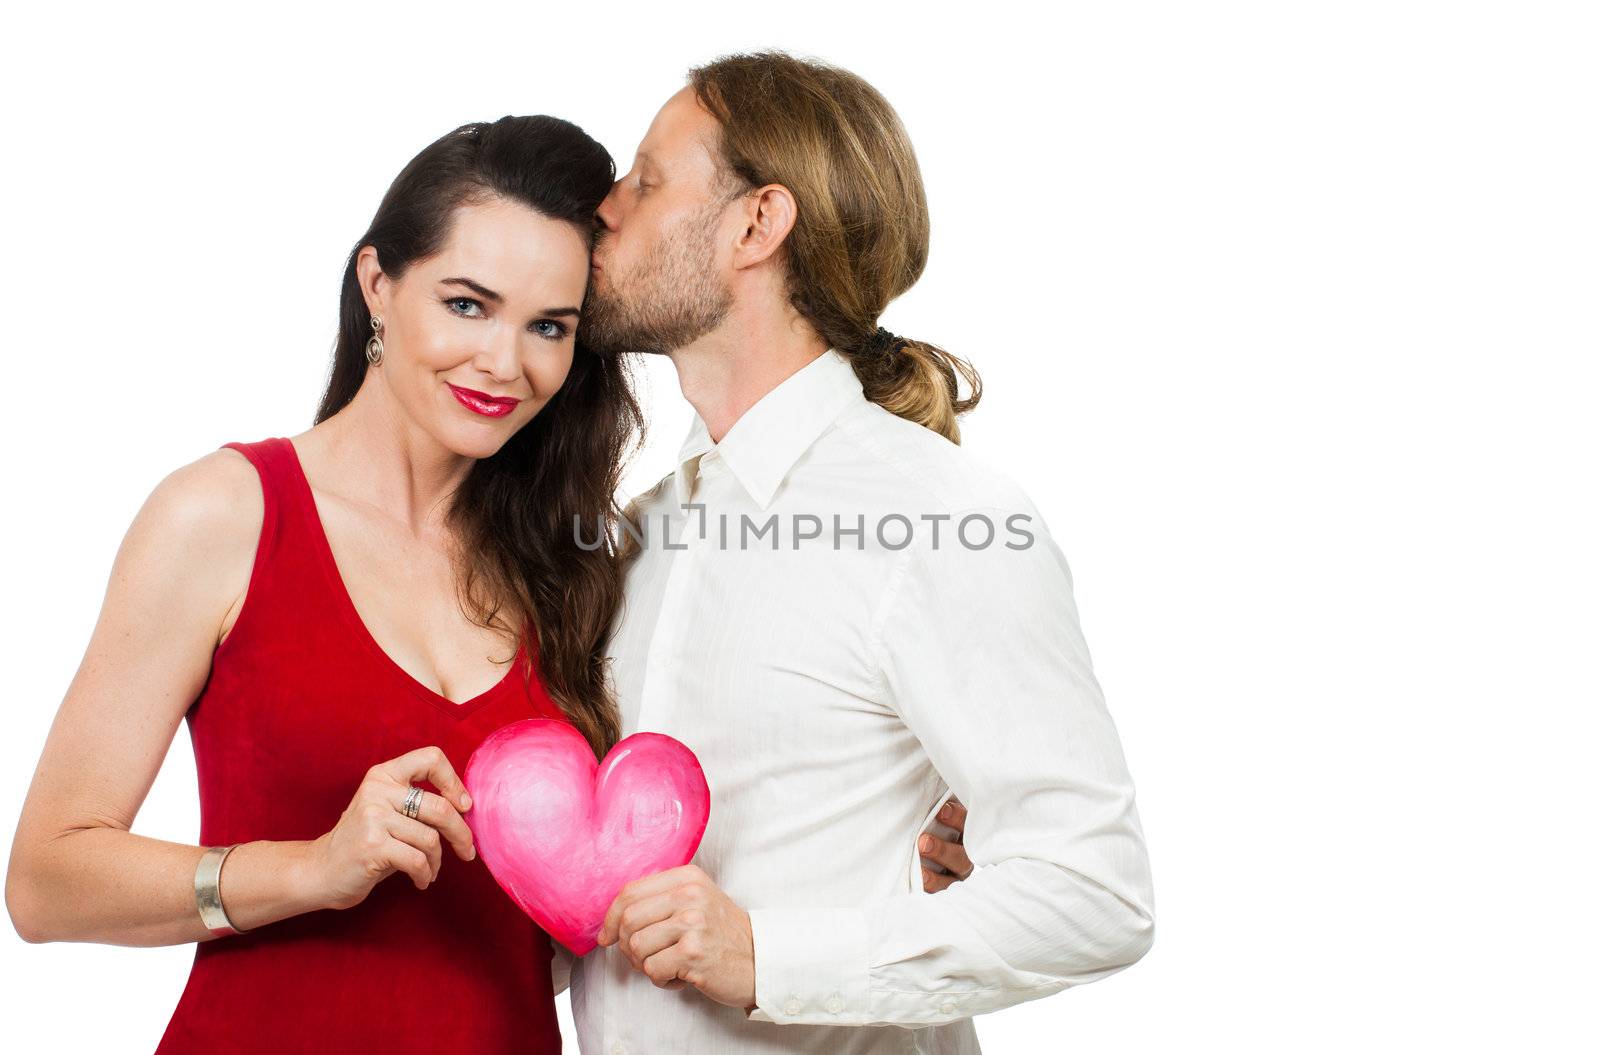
x,y
1288,318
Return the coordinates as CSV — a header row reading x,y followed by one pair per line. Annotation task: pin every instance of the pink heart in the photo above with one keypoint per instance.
x,y
562,835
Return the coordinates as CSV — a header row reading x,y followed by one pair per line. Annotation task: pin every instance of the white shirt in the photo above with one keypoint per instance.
x,y
836,697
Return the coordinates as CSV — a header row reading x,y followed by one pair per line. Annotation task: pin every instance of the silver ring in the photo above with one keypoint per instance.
x,y
413,803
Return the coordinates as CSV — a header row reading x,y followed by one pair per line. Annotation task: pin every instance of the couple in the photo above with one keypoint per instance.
x,y
849,621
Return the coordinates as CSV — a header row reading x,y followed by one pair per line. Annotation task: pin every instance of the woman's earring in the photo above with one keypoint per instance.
x,y
375,345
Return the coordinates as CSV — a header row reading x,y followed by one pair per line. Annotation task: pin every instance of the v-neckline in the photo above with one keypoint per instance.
x,y
347,605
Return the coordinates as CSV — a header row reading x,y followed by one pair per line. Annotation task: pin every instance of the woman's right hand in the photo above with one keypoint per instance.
x,y
375,839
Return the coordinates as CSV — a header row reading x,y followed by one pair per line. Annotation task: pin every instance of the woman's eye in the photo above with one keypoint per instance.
x,y
554,332
464,306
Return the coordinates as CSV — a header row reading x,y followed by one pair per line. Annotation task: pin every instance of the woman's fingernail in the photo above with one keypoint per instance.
x,y
926,844
466,802
946,810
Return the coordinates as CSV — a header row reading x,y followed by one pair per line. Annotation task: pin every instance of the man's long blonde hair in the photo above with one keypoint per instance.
x,y
860,238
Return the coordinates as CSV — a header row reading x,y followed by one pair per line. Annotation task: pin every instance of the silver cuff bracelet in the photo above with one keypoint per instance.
x,y
208,891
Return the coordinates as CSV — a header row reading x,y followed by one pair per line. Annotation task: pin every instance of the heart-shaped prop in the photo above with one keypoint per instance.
x,y
562,835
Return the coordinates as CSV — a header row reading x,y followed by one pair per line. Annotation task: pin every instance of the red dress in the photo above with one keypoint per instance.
x,y
300,703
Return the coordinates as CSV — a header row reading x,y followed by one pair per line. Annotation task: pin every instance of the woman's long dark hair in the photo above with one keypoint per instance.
x,y
514,515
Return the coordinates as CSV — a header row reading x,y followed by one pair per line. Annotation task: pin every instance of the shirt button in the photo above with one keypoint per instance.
x,y
947,1008
619,1048
835,1004
792,1007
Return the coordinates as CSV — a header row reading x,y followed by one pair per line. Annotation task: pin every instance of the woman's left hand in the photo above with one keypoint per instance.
x,y
948,855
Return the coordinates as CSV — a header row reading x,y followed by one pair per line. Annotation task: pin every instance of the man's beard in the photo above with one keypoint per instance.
x,y
670,299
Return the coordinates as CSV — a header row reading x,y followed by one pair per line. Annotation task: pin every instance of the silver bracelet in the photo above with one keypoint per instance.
x,y
208,891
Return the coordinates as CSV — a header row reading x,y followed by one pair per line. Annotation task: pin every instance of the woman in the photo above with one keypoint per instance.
x,y
343,615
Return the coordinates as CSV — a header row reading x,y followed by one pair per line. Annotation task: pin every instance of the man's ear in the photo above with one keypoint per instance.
x,y
770,213
374,283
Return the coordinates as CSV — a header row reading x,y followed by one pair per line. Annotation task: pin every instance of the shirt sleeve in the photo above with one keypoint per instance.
x,y
981,655
560,967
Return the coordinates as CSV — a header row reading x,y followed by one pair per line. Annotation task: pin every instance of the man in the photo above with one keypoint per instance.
x,y
842,614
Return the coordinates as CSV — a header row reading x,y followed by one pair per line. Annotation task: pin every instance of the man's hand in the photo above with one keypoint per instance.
x,y
951,857
678,927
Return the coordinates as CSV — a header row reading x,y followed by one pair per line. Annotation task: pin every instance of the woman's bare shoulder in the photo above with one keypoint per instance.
x,y
214,501
197,532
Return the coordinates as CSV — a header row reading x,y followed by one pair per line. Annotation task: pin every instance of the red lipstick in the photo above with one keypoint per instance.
x,y
483,403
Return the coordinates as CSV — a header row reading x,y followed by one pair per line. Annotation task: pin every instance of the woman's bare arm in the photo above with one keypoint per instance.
x,y
77,873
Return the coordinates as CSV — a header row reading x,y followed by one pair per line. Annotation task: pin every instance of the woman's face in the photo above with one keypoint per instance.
x,y
479,336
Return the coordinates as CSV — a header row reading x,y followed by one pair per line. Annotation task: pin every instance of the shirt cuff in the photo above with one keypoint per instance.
x,y
811,965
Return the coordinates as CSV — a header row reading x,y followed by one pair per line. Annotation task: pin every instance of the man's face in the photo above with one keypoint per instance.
x,y
662,262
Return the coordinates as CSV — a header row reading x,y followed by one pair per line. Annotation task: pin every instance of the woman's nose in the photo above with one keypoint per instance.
x,y
501,359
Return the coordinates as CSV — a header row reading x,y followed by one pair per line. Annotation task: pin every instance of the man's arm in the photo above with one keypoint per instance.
x,y
982,655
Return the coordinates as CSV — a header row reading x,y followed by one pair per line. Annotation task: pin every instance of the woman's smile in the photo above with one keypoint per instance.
x,y
483,403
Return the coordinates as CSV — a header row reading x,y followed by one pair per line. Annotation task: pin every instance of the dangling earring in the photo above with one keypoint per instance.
x,y
375,345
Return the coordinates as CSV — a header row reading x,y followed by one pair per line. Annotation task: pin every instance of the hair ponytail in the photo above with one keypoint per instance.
x,y
916,380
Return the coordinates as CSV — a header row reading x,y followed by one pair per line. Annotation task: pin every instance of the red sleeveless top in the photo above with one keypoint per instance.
x,y
299,704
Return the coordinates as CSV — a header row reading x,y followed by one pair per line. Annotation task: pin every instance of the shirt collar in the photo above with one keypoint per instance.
x,y
769,438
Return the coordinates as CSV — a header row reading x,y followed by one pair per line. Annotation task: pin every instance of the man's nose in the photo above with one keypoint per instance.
x,y
607,213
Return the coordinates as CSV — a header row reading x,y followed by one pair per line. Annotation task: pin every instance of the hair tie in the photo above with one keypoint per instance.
x,y
882,342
